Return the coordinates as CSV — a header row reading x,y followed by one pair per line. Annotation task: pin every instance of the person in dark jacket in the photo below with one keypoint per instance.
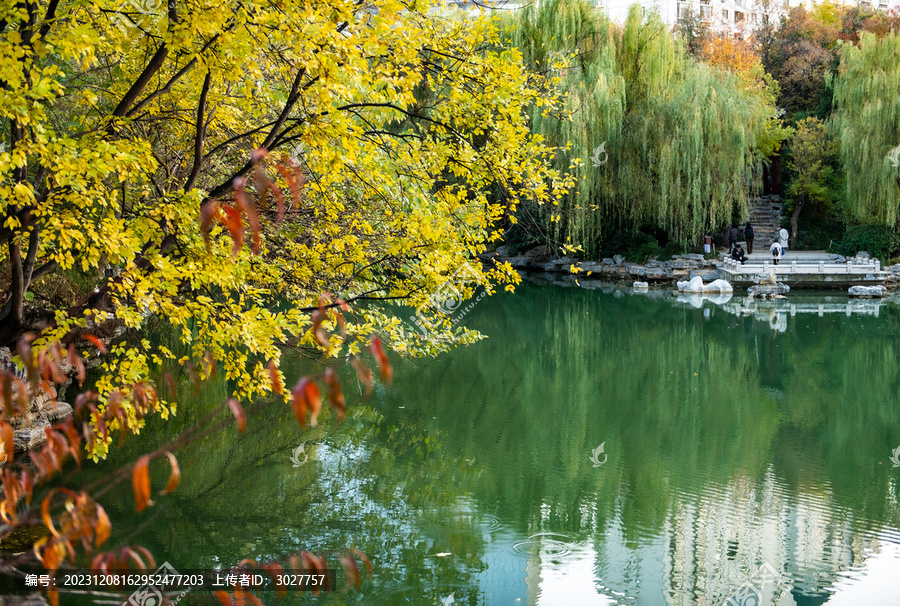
x,y
738,254
732,238
748,236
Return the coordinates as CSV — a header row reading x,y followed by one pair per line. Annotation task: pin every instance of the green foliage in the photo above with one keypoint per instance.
x,y
810,152
680,138
867,125
636,247
878,240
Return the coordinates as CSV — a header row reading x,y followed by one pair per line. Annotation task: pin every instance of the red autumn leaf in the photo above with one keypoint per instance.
x,y
298,404
313,398
195,376
131,554
318,317
174,475
245,597
335,395
209,212
276,572
258,154
26,480
45,513
148,557
97,342
238,413
231,219
224,598
248,209
381,358
140,482
364,558
363,374
294,177
352,570
53,596
275,377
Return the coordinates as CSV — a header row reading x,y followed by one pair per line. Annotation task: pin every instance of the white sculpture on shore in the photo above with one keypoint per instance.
x,y
696,285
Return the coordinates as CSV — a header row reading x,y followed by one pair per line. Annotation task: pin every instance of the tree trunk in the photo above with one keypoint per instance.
x,y
794,217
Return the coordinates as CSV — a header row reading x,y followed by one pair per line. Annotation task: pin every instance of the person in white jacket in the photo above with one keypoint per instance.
x,y
783,239
776,251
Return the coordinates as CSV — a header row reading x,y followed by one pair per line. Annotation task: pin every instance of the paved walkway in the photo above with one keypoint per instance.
x,y
810,269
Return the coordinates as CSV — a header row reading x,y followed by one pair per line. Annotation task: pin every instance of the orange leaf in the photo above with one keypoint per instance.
x,y
209,212
97,342
365,560
174,475
250,210
381,358
53,596
277,387
224,598
140,482
299,403
238,413
9,445
352,570
45,514
103,527
335,395
363,374
312,398
232,221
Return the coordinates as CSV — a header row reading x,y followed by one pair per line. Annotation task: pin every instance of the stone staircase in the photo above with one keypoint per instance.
x,y
765,216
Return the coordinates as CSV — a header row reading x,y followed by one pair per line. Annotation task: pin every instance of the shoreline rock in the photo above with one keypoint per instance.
x,y
685,266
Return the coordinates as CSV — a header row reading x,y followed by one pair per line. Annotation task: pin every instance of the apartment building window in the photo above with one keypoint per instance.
x,y
754,17
705,13
725,13
738,16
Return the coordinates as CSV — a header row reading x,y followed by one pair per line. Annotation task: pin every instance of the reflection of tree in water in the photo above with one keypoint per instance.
x,y
682,402
383,489
710,424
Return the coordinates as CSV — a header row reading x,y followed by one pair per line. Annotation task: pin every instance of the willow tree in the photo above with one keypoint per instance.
x,y
141,145
679,138
866,124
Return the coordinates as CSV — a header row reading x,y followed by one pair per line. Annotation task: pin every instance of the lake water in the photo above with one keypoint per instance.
x,y
599,447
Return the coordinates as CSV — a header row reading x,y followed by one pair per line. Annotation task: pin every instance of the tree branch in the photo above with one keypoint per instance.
x,y
150,70
200,137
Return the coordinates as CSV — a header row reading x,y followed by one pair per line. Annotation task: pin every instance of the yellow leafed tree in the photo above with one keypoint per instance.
x,y
368,149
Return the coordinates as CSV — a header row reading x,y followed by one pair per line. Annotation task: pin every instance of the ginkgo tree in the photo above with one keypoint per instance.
x,y
365,150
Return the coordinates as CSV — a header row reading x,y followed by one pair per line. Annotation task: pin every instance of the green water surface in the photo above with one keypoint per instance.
x,y
736,439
